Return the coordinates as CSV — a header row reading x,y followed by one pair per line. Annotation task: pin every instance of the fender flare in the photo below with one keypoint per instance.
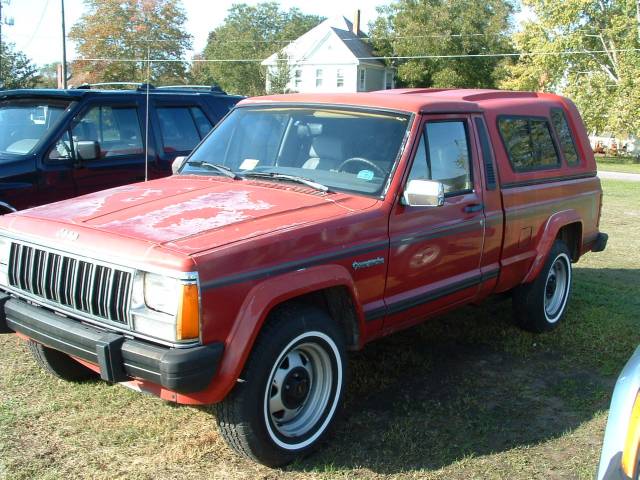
x,y
260,300
554,223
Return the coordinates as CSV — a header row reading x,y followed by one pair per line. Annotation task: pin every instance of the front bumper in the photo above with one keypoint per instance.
x,y
120,359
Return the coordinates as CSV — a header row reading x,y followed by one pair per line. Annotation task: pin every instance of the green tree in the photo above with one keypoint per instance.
x,y
408,28
48,75
251,34
127,30
280,76
602,76
16,70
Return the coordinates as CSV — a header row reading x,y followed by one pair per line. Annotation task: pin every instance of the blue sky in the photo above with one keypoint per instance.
x,y
37,33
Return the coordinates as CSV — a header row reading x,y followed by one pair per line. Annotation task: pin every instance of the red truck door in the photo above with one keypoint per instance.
x,y
435,252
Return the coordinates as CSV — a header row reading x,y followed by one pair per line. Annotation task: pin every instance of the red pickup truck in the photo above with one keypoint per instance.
x,y
303,226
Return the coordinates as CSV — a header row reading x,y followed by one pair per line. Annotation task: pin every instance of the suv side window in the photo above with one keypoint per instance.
x,y
529,143
182,128
565,136
116,129
443,155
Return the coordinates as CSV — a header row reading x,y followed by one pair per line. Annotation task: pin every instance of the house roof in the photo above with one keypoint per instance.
x,y
360,48
339,26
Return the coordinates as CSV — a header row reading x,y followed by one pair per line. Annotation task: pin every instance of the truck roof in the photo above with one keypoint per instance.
x,y
418,100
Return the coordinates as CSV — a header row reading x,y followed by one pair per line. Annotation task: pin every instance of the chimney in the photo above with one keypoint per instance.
x,y
356,22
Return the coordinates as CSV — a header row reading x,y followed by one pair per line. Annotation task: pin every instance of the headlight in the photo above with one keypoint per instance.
x,y
161,293
5,249
165,307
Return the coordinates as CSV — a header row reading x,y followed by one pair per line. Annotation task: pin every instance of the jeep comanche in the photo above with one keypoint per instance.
x,y
305,225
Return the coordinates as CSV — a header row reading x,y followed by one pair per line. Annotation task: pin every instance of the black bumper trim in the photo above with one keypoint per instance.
x,y
600,243
183,370
4,328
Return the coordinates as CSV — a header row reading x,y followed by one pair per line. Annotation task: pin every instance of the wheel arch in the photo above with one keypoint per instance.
x,y
565,225
329,286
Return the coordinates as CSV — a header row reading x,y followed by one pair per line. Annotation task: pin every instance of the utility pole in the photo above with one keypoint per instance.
x,y
64,49
8,22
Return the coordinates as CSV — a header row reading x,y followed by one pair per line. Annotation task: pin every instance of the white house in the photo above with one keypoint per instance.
x,y
331,57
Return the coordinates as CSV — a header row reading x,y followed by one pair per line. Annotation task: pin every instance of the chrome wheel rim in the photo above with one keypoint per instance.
x,y
299,389
556,288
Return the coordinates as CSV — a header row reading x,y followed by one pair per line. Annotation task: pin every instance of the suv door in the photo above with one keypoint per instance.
x,y
117,127
180,127
435,252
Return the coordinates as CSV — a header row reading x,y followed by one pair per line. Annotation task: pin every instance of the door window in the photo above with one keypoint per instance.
x,y
116,129
182,128
443,155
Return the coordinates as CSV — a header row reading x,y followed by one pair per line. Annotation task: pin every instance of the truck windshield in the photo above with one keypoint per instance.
x,y
23,123
342,149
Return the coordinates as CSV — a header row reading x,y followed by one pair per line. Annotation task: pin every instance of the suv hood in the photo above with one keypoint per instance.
x,y
193,213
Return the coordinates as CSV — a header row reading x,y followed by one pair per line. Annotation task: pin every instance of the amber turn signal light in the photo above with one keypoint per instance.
x,y
188,321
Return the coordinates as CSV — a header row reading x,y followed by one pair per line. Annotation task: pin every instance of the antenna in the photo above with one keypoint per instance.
x,y
146,121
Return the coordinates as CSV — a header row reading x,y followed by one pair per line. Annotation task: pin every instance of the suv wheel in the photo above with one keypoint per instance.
x,y
290,389
540,305
60,364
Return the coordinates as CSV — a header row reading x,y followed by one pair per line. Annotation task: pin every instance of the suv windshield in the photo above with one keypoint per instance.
x,y
23,123
342,149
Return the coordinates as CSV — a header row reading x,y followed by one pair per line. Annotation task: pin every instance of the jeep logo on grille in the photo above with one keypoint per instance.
x,y
65,234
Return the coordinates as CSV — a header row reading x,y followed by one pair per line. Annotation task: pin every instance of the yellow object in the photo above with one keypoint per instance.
x,y
188,321
631,444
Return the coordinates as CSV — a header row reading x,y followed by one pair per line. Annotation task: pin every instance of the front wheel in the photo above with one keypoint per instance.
x,y
540,305
290,390
60,364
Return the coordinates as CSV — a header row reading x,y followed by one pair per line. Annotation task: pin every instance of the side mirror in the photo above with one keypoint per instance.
x,y
423,193
87,150
177,164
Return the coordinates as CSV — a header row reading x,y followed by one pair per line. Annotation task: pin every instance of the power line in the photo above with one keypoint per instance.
x,y
403,57
35,30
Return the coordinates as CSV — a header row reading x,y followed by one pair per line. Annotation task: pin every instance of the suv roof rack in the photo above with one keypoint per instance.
x,y
207,88
138,85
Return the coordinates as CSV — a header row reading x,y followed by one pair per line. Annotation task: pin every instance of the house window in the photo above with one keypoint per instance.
x,y
363,77
340,78
297,81
318,77
388,79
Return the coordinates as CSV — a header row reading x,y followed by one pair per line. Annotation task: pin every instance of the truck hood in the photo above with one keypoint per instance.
x,y
195,213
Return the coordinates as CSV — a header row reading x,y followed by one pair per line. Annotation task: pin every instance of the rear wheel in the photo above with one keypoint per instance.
x,y
540,305
290,389
60,364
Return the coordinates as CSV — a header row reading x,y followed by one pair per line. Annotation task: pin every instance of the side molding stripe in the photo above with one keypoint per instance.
x,y
294,265
429,297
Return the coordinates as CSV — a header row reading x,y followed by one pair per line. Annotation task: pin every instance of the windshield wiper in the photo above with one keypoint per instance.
x,y
290,178
224,170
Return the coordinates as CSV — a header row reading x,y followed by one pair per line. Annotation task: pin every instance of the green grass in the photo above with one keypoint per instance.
x,y
464,396
618,164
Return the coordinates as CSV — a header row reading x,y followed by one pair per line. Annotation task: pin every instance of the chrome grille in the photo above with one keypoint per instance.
x,y
98,290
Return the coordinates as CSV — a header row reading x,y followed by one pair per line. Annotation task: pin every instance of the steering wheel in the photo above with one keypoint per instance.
x,y
368,163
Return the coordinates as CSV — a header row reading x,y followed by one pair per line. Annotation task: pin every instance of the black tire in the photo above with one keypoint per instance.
x,y
60,364
248,416
540,305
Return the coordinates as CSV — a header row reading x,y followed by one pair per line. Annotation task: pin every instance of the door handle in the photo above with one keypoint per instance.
x,y
474,207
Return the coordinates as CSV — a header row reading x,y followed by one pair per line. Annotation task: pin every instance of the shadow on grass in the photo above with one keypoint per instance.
x,y
470,383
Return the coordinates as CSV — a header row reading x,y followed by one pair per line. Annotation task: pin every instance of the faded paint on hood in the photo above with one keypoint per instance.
x,y
193,213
